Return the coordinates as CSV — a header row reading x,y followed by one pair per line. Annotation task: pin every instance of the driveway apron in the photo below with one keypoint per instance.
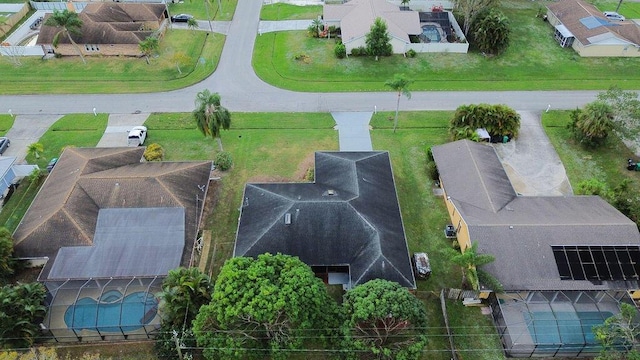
x,y
115,134
531,162
353,130
26,130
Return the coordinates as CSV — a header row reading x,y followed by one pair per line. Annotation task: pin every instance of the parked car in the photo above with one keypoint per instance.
x,y
421,265
137,135
51,164
181,18
612,15
4,144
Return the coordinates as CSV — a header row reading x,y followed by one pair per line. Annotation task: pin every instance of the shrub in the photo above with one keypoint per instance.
x,y
359,51
411,53
154,152
223,160
310,175
340,51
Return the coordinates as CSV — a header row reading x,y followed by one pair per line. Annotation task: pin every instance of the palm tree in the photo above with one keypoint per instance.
x,y
192,24
35,149
184,291
593,124
69,23
148,46
399,83
210,116
469,260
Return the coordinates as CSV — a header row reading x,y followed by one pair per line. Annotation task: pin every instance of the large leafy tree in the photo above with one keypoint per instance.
x,y
626,111
384,321
263,306
148,46
7,261
68,23
619,335
469,9
211,117
399,83
469,260
184,291
491,31
498,120
592,124
21,310
378,40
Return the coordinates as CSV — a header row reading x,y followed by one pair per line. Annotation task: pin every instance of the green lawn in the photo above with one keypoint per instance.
x,y
218,10
534,61
282,11
117,74
77,130
607,163
6,122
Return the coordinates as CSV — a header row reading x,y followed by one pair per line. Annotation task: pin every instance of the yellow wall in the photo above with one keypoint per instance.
x,y
462,230
606,50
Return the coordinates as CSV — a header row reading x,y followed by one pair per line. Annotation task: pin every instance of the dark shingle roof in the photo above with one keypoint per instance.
x,y
86,180
520,234
359,225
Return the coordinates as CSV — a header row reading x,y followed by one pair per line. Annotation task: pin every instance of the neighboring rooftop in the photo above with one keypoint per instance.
x,y
349,216
521,230
69,209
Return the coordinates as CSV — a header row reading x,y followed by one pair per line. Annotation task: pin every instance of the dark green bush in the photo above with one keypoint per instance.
x,y
223,160
411,53
340,51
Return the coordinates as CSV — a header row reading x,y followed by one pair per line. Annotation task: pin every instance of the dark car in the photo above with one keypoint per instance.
x,y
51,164
421,265
181,18
4,144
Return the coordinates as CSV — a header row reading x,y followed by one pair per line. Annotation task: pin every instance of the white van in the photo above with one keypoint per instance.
x,y
137,135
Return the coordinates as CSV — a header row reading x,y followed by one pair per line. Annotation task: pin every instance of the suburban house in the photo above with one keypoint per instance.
x,y
565,262
108,228
355,18
583,27
346,224
108,29
10,172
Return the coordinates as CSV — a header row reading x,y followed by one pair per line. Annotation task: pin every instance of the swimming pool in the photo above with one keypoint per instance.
x,y
431,32
112,312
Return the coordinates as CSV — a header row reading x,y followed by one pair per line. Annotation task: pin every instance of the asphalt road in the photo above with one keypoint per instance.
x,y
242,90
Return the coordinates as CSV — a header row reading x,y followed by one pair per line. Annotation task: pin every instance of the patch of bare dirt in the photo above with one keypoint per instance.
x,y
304,166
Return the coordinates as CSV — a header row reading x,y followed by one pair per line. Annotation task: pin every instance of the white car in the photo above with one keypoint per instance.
x,y
137,135
612,15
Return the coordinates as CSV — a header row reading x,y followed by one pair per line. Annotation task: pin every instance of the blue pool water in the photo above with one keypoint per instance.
x,y
137,309
566,328
431,32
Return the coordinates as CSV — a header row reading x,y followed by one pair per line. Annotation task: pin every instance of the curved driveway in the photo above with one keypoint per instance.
x,y
242,90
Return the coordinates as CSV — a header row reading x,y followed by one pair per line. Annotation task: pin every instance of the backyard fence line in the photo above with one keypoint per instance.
x,y
443,306
459,294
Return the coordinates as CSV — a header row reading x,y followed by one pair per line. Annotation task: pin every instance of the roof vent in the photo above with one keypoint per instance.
x,y
331,192
287,219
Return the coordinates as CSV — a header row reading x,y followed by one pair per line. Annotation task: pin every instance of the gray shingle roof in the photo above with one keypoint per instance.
x,y
520,233
86,180
359,225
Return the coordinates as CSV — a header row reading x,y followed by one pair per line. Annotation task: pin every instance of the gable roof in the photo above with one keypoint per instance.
x,y
357,16
520,233
590,26
110,23
87,180
349,216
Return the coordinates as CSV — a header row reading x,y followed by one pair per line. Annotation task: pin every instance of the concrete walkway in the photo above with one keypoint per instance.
x,y
26,130
531,162
287,25
353,130
115,134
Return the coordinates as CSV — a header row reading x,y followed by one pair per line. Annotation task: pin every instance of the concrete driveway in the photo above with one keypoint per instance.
x,y
531,162
353,130
115,135
26,130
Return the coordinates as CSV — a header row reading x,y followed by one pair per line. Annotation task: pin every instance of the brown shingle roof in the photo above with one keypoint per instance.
x,y
86,180
110,23
571,12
